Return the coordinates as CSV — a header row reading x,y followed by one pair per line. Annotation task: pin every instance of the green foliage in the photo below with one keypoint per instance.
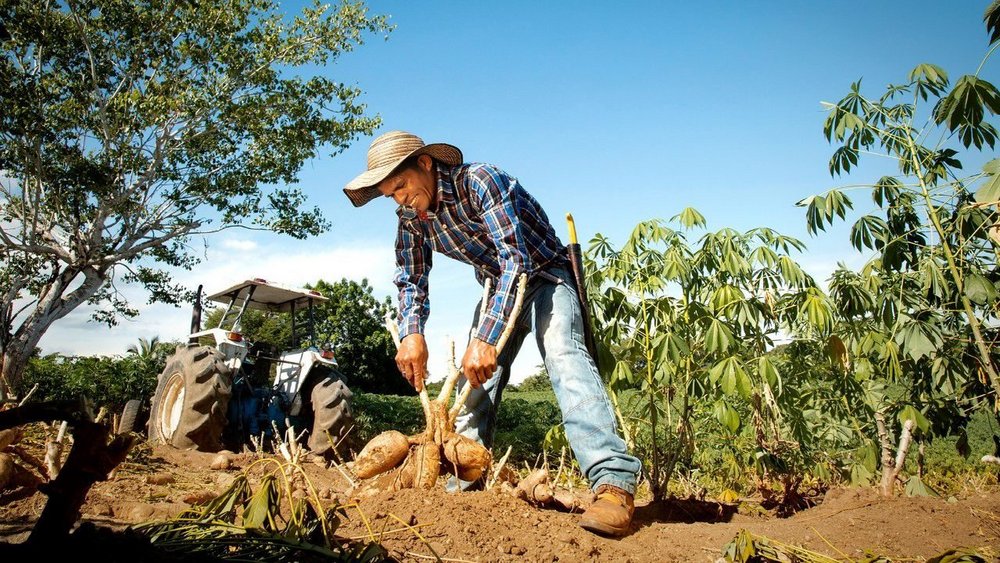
x,y
538,381
129,127
915,327
374,414
522,425
107,381
688,326
931,280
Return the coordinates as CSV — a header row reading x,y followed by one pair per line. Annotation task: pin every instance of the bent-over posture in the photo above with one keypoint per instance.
x,y
480,215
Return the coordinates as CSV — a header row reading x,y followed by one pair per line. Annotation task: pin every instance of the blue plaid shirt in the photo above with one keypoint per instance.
x,y
483,218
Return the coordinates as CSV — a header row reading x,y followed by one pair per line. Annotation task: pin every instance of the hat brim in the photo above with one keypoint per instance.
x,y
364,187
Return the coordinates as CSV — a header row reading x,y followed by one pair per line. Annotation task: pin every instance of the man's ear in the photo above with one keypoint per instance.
x,y
425,162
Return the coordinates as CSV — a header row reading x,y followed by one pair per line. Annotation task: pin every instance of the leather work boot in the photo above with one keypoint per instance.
x,y
611,513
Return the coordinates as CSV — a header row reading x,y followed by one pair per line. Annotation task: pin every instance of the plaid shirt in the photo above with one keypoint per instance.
x,y
483,218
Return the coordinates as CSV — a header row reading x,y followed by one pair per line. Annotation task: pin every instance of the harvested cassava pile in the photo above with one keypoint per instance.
x,y
418,460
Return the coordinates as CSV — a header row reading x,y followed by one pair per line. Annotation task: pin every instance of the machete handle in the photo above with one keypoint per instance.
x,y
572,228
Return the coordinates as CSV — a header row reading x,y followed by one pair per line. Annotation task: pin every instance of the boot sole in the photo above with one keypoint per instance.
x,y
602,529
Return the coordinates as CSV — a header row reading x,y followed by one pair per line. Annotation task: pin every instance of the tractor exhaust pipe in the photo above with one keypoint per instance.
x,y
196,316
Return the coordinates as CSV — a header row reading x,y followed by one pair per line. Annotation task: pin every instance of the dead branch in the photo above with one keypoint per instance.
x,y
90,460
75,412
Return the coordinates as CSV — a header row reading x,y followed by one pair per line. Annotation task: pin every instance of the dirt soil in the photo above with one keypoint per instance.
x,y
157,483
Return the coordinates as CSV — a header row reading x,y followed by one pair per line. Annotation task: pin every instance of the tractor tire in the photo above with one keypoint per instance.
x,y
332,415
130,414
192,397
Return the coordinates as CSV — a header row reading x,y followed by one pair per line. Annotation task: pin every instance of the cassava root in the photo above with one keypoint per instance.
x,y
420,459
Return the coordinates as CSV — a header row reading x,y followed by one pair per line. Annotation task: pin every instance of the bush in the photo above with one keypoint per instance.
x,y
107,381
521,425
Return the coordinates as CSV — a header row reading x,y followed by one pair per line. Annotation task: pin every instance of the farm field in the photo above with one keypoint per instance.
x,y
158,483
787,315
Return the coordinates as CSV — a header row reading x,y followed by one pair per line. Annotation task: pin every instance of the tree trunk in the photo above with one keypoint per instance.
x,y
55,301
12,370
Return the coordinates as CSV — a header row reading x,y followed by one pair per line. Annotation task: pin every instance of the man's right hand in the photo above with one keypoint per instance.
x,y
411,359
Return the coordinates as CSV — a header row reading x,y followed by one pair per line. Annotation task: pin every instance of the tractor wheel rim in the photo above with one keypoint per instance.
x,y
172,406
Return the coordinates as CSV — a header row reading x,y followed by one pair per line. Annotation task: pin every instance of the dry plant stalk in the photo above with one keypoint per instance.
x,y
54,450
421,458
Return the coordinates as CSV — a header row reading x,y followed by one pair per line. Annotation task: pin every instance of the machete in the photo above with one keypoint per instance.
x,y
576,263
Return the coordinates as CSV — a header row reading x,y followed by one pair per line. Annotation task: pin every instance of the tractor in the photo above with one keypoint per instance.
x,y
220,395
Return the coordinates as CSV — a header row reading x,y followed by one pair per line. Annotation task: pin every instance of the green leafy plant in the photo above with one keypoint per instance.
x,y
689,327
917,324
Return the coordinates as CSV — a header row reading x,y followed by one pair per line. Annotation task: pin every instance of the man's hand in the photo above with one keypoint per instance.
x,y
479,363
411,359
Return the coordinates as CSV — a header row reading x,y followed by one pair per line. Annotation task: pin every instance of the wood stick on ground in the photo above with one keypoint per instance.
x,y
54,450
497,468
28,395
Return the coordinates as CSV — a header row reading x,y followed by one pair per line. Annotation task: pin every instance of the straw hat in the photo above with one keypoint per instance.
x,y
386,153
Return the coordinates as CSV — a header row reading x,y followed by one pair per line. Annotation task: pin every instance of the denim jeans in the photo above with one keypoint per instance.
x,y
551,312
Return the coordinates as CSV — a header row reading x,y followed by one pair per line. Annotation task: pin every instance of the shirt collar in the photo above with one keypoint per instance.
x,y
445,194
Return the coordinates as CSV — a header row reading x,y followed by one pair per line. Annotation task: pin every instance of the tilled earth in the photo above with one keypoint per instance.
x,y
413,525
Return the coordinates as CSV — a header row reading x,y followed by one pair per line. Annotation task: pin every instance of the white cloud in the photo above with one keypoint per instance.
x,y
307,263
454,294
239,244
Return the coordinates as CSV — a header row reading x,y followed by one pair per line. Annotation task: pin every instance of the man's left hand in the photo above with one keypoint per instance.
x,y
479,363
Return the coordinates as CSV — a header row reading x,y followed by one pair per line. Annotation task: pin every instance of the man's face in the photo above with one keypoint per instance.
x,y
412,186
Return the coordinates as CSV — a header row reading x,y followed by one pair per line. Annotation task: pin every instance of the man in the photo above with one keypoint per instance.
x,y
477,214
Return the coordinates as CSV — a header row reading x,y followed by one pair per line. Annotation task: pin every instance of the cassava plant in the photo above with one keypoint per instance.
x,y
911,361
932,226
689,327
919,317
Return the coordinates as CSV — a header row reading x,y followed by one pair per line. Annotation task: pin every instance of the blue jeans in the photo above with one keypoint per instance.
x,y
552,312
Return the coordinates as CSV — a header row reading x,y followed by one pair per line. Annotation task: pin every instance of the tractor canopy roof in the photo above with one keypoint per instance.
x,y
268,296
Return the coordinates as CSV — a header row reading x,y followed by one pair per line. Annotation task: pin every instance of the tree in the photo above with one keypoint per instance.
x,y
538,381
353,322
145,348
130,127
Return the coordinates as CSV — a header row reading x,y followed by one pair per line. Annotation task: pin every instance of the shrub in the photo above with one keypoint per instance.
x,y
107,381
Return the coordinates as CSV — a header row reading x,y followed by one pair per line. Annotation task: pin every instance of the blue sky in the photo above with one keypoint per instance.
x,y
617,113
